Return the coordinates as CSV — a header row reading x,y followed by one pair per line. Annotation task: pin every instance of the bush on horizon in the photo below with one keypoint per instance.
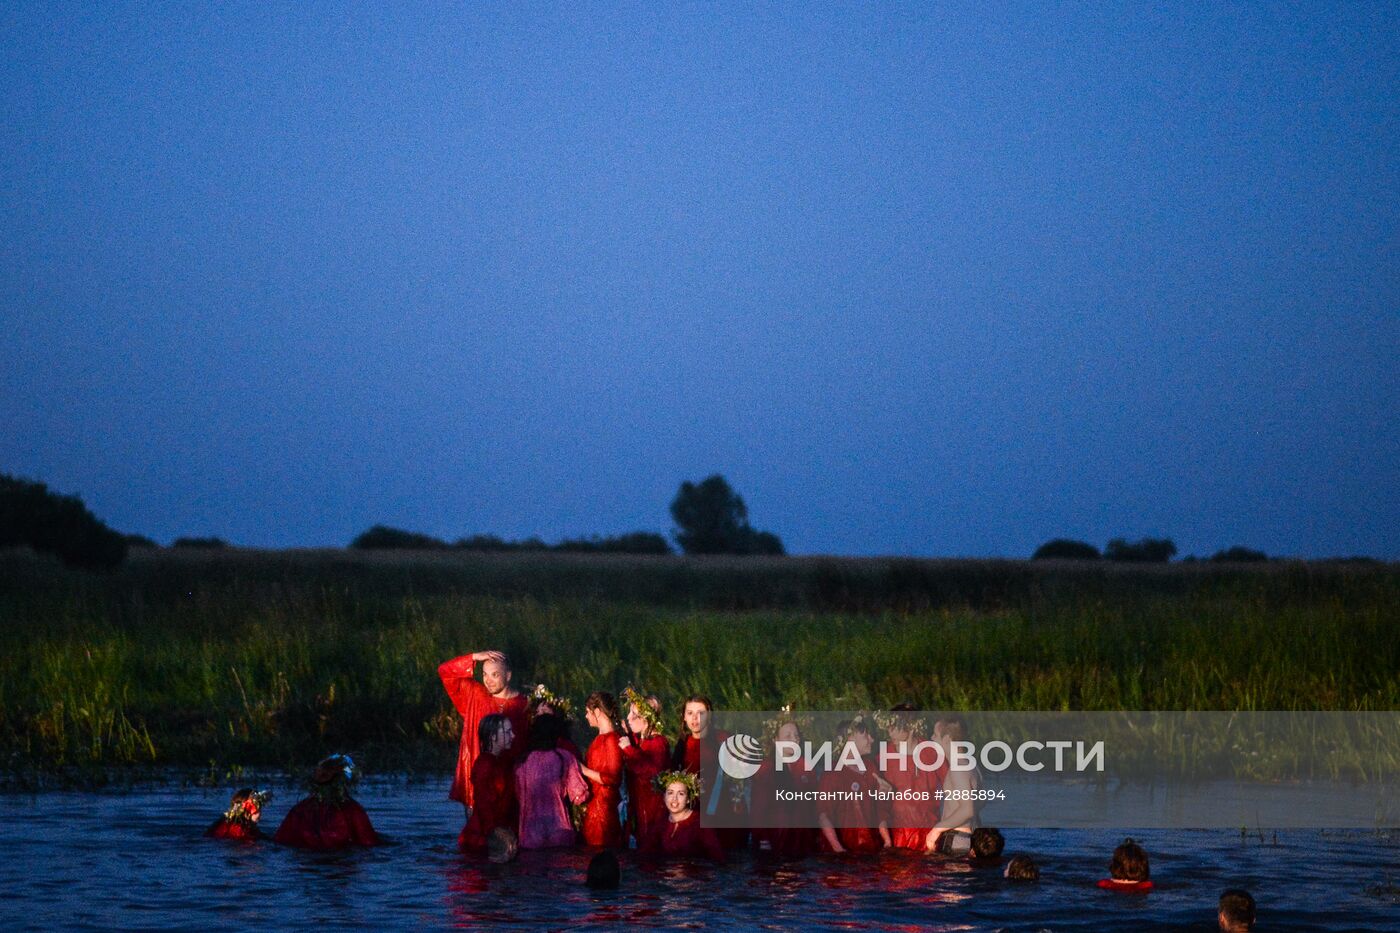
x,y
200,544
1066,549
1143,551
1239,555
384,538
33,516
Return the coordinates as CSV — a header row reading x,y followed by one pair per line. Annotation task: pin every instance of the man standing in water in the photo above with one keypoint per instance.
x,y
474,701
952,834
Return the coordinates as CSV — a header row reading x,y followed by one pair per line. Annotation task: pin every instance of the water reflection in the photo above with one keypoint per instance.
x,y
138,860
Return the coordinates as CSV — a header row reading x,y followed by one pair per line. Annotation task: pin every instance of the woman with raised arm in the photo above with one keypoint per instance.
x,y
644,754
602,766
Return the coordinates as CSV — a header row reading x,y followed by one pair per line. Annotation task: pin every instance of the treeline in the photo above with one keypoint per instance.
x,y
710,516
384,538
1142,551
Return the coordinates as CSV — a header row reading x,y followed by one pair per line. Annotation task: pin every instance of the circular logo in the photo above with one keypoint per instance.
x,y
740,756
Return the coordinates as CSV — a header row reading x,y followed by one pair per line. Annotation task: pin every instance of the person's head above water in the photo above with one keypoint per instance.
x,y
502,845
987,842
604,872
1129,862
1236,911
246,805
680,790
1022,868
330,782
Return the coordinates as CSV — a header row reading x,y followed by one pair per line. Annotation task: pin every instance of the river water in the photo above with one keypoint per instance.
x,y
137,859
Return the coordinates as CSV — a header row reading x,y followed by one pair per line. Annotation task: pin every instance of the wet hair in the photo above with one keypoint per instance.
x,y
604,872
987,842
1022,868
954,728
490,727
602,700
502,845
545,732
1129,862
240,795
1237,909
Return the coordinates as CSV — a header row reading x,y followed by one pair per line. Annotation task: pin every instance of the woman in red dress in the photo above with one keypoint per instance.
x,y
644,754
240,821
914,813
859,825
697,752
680,834
493,786
329,818
784,827
477,699
602,766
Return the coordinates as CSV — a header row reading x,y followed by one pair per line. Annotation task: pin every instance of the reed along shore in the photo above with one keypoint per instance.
x,y
238,658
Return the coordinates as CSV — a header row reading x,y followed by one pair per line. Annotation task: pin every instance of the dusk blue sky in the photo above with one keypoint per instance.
x,y
926,279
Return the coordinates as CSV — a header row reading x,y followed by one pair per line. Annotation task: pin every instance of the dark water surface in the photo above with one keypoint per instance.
x,y
136,859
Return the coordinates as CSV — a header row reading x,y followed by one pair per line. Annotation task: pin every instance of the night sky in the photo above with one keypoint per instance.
x,y
936,279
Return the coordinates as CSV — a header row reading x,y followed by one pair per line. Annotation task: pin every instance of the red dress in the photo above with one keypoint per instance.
x,y
856,821
643,761
312,824
701,757
474,704
493,790
912,820
225,828
683,839
785,825
1129,887
601,824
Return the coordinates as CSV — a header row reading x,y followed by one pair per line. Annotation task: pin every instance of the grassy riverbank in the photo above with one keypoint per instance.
x,y
269,659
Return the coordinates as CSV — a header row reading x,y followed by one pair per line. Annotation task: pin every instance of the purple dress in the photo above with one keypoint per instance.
x,y
542,782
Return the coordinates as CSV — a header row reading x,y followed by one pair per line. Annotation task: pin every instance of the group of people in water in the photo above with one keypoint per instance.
x,y
524,784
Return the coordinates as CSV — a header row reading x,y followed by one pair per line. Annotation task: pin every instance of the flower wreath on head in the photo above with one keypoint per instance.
x,y
860,722
631,696
903,719
785,715
691,782
543,696
248,807
331,781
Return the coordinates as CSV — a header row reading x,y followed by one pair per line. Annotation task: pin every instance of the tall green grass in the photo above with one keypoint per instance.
x,y
271,659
